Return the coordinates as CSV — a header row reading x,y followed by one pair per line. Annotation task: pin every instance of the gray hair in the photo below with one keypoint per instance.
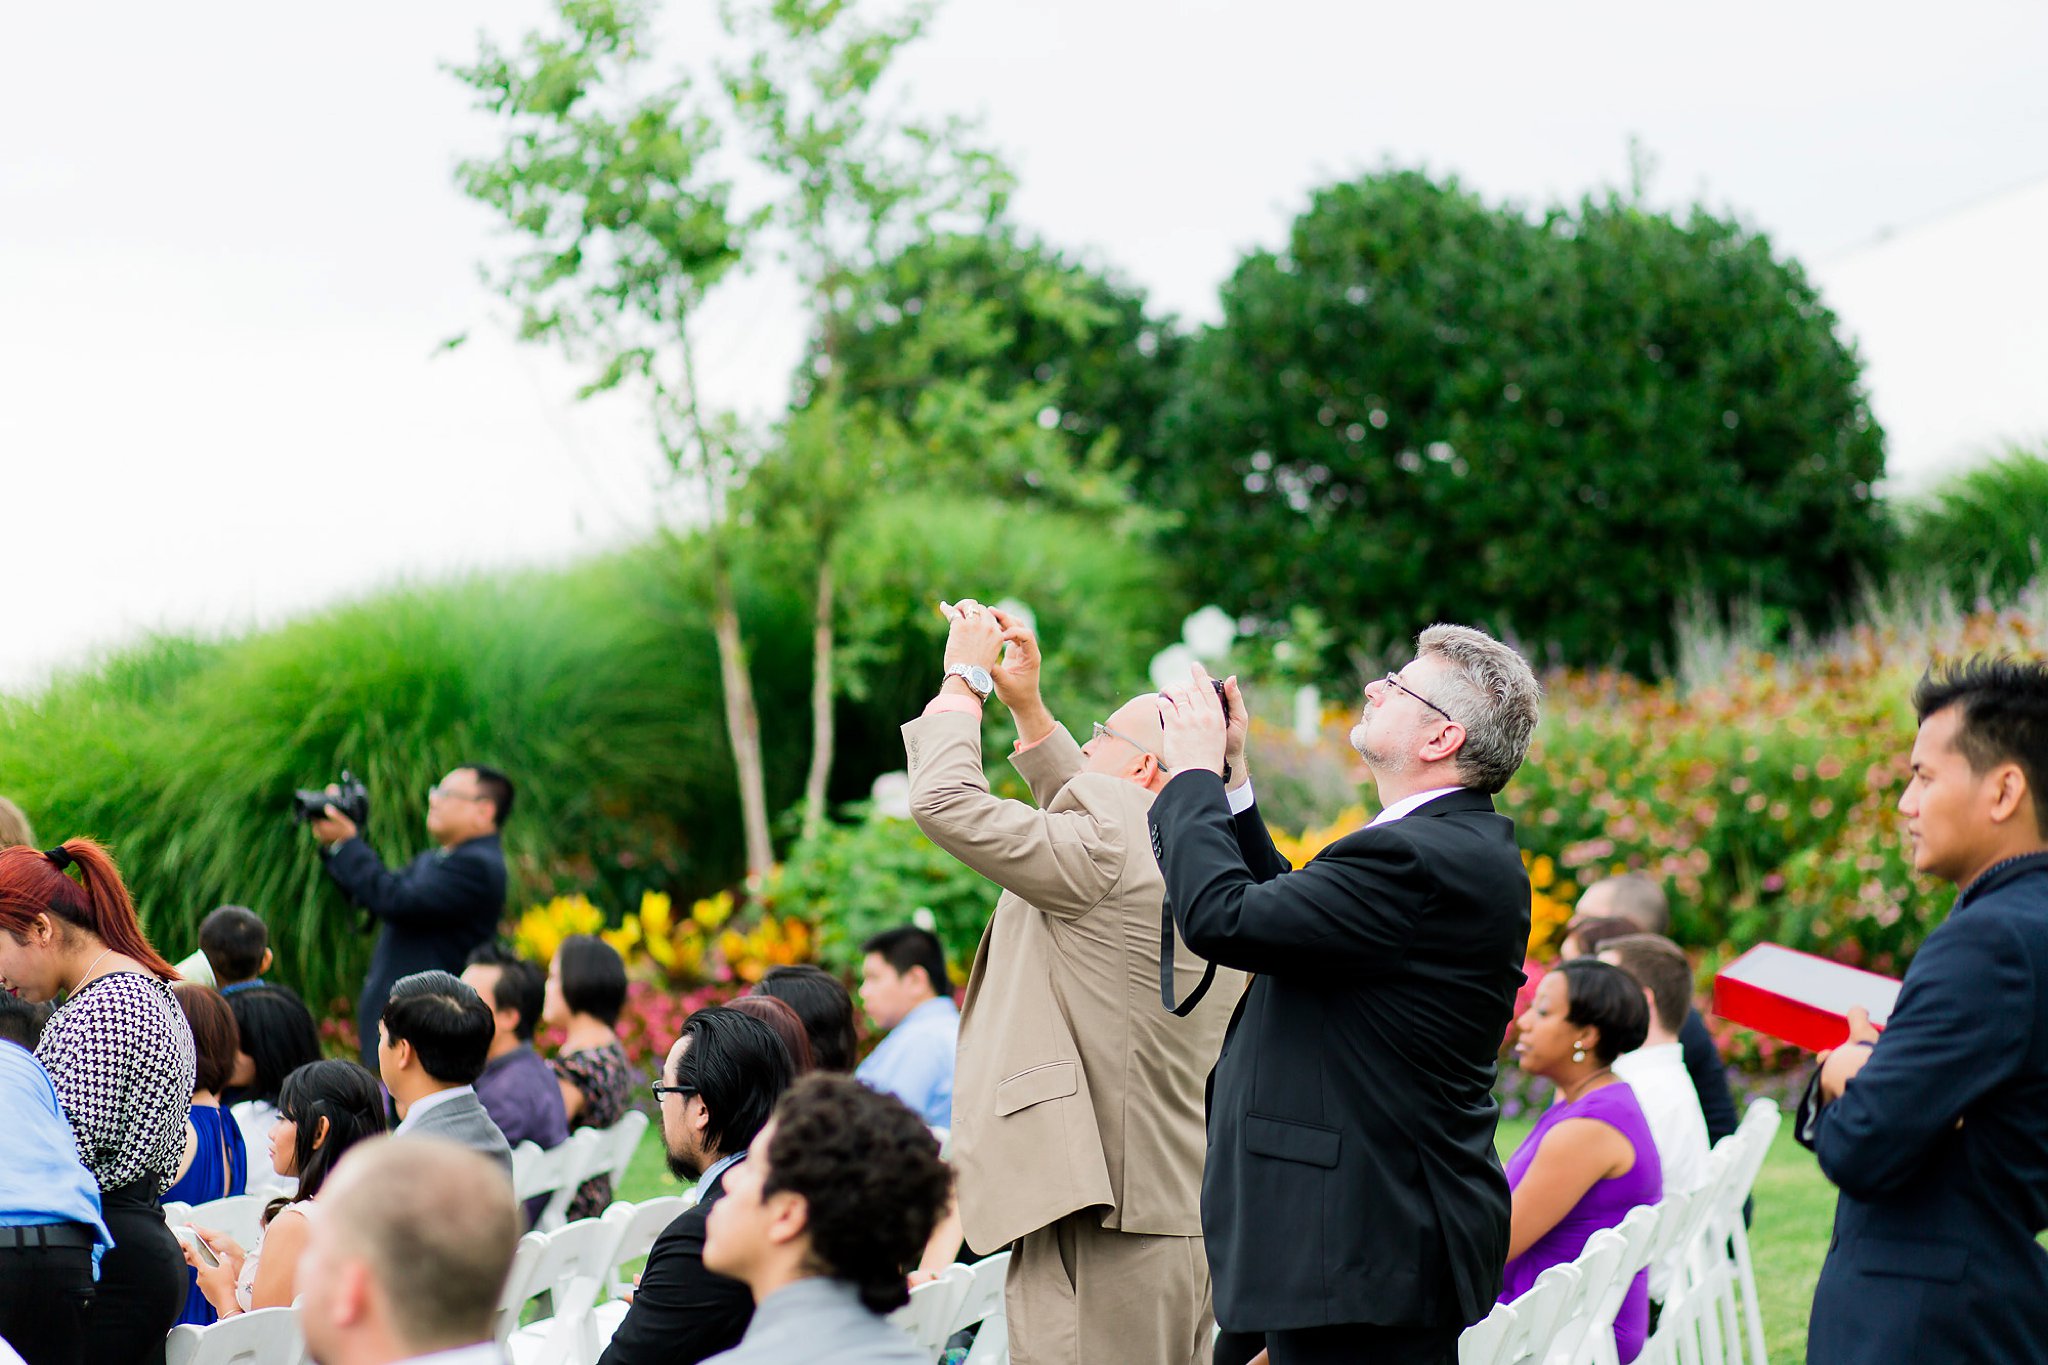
x,y
1637,899
1495,696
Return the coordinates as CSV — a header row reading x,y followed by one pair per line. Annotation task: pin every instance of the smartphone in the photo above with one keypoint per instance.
x,y
198,1245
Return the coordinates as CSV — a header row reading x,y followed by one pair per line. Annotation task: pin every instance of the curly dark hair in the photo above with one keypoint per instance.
x,y
869,1171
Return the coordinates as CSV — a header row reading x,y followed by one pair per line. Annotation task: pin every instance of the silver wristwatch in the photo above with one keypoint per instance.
x,y
975,676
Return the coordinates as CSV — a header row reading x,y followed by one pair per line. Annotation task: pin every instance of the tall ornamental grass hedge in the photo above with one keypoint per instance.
x,y
596,687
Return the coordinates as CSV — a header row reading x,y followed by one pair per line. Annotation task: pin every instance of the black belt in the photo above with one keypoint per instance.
x,y
29,1236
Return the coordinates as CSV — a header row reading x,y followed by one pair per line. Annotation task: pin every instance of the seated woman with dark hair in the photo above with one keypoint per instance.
x,y
777,1015
216,1163
323,1109
586,990
277,1036
1590,1159
822,1001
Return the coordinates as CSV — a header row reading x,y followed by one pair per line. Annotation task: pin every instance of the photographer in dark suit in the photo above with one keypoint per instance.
x,y
1937,1132
442,904
1352,1201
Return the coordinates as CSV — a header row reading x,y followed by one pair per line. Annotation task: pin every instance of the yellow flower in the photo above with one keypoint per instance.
x,y
713,911
654,914
540,931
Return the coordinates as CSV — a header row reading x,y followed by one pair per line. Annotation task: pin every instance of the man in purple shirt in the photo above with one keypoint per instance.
x,y
518,1088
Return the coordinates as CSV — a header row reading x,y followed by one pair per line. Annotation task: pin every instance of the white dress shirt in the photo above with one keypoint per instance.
x,y
1242,798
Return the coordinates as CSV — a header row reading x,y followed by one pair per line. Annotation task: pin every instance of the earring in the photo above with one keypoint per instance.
x,y
1578,1053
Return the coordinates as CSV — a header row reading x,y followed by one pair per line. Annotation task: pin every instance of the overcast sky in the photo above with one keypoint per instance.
x,y
230,243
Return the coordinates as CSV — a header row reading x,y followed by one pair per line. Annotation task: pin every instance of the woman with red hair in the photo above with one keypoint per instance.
x,y
120,1054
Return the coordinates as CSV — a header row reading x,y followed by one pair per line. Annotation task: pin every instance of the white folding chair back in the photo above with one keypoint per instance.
x,y
620,1142
1759,1128
1597,1263
571,1269
535,1172
581,1157
1481,1343
928,1318
240,1216
519,1285
636,1227
1638,1233
1537,1314
984,1296
267,1336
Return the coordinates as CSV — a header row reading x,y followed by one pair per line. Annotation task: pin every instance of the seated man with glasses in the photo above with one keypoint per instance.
x,y
1077,1127
438,908
716,1089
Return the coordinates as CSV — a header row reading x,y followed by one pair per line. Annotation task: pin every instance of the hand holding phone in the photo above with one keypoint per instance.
x,y
198,1244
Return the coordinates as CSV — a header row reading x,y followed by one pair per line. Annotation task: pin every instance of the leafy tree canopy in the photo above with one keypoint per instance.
x,y
1982,531
1427,408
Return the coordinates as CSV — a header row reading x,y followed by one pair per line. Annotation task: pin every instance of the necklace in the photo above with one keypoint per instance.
x,y
1587,1084
88,975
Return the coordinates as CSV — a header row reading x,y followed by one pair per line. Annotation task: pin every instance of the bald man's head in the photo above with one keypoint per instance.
x,y
1129,743
414,1243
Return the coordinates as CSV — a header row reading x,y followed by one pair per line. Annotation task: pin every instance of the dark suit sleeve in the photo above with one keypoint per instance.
x,y
1950,1041
681,1313
449,888
1353,909
1709,1077
1255,842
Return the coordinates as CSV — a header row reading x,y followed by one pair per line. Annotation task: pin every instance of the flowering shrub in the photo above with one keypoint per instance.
x,y
538,933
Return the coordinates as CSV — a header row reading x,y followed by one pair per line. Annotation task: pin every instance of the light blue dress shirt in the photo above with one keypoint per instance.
x,y
915,1062
42,1180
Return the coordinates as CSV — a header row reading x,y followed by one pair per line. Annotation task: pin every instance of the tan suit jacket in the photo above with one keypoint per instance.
x,y
1074,1087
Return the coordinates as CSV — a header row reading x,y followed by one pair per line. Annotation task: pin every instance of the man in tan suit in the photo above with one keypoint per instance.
x,y
1078,1130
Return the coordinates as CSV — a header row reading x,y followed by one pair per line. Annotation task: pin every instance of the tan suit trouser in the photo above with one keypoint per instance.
x,y
1080,1294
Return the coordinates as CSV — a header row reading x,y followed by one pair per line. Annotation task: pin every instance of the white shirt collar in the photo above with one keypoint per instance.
x,y
1408,805
421,1105
483,1353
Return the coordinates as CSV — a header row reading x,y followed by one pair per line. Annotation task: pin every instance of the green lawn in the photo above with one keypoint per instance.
x,y
1795,1207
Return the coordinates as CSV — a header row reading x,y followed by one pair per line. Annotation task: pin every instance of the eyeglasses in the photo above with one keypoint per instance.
x,y
440,793
1394,680
1101,730
661,1089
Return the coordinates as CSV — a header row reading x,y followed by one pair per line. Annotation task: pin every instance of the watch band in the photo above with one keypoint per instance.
x,y
965,673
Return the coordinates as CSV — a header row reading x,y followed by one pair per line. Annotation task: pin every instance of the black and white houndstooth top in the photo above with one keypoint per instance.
x,y
120,1054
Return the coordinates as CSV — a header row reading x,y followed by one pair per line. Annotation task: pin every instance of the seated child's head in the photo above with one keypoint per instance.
x,y
236,944
21,1022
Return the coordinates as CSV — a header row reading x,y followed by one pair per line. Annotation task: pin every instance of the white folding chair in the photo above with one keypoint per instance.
x,y
619,1143
519,1285
1481,1343
928,1318
240,1216
1597,1263
571,1269
1537,1313
1759,1128
579,1158
636,1227
1638,1232
984,1296
267,1336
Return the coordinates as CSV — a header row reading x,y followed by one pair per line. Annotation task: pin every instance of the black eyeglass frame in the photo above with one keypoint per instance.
x,y
1394,680
660,1088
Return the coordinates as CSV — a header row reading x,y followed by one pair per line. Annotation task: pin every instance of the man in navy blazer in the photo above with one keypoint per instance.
x,y
1352,1201
1937,1132
443,904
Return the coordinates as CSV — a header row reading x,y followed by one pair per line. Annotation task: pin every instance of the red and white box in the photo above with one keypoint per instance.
x,y
1802,999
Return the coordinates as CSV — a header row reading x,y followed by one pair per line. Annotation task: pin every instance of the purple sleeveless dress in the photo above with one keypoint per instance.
x,y
1603,1206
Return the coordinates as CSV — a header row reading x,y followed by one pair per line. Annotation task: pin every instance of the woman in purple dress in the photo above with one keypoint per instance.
x,y
1590,1158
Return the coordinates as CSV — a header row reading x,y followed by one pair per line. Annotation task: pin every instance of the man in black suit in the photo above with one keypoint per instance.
x,y
718,1087
1937,1133
442,904
1352,1201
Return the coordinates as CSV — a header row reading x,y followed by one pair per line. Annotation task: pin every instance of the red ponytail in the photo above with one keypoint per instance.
x,y
32,883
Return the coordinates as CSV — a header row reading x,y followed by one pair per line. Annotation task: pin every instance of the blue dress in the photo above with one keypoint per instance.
x,y
220,1167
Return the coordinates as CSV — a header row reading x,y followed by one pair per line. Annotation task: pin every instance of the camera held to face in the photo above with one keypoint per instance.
x,y
350,797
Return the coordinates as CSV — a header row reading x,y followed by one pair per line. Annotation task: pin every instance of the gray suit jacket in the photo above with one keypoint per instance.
x,y
462,1120
820,1322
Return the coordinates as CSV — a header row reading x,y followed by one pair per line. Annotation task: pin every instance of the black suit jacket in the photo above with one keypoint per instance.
x,y
1933,1256
1709,1076
442,905
1351,1175
682,1313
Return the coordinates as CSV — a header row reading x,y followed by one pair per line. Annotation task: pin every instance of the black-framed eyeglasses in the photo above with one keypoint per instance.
x,y
1394,680
660,1088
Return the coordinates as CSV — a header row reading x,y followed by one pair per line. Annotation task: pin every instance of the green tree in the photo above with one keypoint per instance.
x,y
1427,408
1015,317
1981,532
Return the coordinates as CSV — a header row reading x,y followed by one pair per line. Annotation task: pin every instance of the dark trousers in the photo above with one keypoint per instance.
x,y
1351,1343
142,1282
43,1297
